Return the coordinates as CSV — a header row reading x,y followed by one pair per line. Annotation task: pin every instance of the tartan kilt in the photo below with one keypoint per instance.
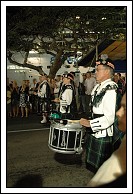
x,y
98,150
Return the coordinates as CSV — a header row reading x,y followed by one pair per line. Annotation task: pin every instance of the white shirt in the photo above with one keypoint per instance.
x,y
42,91
107,108
56,89
66,100
89,85
32,86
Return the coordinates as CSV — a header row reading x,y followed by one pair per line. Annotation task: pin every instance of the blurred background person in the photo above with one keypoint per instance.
x,y
122,82
89,84
81,92
15,99
33,88
51,83
23,99
57,86
9,109
119,83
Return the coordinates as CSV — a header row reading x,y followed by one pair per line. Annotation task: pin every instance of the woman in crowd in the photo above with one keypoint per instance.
x,y
15,99
9,93
23,99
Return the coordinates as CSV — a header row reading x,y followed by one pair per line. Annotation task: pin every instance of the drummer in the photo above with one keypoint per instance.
x,y
66,97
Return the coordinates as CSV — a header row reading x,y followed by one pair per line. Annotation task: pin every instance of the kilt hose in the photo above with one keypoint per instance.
x,y
97,151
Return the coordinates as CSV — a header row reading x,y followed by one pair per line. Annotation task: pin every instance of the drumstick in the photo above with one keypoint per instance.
x,y
73,121
63,121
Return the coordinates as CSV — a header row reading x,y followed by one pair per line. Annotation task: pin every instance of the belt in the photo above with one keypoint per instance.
x,y
97,115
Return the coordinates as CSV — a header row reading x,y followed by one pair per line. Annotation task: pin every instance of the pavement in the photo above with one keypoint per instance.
x,y
31,122
31,163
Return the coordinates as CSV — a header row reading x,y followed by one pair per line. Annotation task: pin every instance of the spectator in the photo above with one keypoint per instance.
x,y
9,93
81,92
62,84
28,103
37,97
123,83
119,83
57,86
89,84
32,96
51,83
23,99
15,99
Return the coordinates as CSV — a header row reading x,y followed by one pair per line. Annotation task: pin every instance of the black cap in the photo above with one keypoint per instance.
x,y
104,60
69,75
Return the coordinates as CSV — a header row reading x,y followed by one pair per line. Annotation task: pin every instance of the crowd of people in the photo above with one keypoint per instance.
x,y
101,95
23,100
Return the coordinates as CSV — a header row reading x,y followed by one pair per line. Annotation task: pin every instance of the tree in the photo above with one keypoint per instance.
x,y
42,29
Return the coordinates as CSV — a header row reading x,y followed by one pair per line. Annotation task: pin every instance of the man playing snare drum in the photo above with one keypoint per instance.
x,y
66,98
103,136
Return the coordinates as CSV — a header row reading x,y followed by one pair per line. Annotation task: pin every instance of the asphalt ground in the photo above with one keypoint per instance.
x,y
31,163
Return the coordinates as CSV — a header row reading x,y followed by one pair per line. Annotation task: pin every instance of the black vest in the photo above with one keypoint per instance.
x,y
47,96
64,87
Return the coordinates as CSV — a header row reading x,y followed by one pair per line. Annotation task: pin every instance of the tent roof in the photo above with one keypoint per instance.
x,y
115,49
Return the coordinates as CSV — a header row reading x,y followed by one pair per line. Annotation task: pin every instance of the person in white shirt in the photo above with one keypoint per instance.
x,y
101,138
113,171
66,96
57,85
33,88
89,84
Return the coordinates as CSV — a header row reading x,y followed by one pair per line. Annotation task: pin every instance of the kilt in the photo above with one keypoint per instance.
x,y
98,150
44,105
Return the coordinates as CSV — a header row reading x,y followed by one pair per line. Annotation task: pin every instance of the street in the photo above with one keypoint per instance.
x,y
29,157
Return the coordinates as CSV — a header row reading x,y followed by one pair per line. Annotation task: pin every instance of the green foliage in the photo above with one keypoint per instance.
x,y
25,23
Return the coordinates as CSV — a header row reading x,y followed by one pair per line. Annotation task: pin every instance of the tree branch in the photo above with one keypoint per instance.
x,y
30,66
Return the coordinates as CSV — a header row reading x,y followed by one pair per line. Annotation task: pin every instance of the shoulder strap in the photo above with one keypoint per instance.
x,y
48,91
98,98
41,85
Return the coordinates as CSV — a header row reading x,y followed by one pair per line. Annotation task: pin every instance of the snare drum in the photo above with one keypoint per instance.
x,y
66,139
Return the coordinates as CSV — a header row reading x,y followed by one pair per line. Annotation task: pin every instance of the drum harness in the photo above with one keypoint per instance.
x,y
64,103
97,98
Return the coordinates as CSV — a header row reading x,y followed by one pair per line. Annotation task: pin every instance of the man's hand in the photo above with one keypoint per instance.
x,y
84,122
56,100
35,93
